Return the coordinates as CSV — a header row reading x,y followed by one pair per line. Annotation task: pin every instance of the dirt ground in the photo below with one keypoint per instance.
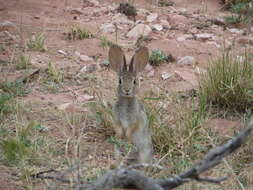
x,y
182,23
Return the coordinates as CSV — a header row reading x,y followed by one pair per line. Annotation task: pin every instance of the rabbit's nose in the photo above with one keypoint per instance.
x,y
127,91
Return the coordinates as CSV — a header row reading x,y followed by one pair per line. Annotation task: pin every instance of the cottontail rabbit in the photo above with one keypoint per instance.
x,y
130,118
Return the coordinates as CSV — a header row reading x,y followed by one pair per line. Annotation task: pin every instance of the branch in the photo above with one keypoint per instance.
x,y
126,178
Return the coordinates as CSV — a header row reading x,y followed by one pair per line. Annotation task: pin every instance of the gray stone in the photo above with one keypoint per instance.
x,y
235,30
204,36
158,27
108,28
187,60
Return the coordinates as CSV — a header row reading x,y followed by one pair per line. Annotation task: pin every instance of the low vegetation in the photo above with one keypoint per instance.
x,y
23,61
229,82
157,57
37,42
78,33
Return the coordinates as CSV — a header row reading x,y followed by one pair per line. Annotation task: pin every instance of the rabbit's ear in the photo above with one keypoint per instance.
x,y
139,60
117,59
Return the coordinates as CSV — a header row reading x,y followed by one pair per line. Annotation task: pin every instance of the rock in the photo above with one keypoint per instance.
x,y
108,28
62,52
186,60
89,68
187,75
138,30
6,25
235,30
90,3
151,73
219,21
185,37
158,27
178,19
152,17
166,24
85,97
148,67
204,36
166,75
245,40
84,58
251,29
121,19
77,11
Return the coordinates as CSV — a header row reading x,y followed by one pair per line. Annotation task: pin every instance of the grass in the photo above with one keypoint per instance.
x,y
54,74
23,61
14,88
105,43
78,33
242,12
229,82
37,42
157,57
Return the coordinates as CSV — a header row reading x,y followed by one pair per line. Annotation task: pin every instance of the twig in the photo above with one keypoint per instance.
x,y
125,178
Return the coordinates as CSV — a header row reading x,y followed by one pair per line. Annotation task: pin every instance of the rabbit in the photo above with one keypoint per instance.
x,y
130,120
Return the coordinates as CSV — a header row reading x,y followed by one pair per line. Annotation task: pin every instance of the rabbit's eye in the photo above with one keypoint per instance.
x,y
134,81
120,81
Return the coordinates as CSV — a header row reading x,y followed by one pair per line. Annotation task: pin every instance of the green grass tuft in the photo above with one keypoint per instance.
x,y
229,82
78,33
157,57
37,42
23,61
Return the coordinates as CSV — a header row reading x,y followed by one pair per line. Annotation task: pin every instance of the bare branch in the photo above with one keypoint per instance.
x,y
126,178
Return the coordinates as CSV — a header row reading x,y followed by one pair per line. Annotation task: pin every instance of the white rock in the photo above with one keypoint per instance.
x,y
204,36
108,28
62,52
89,68
5,25
187,60
138,30
84,58
152,17
184,37
158,27
151,73
166,75
63,106
235,30
121,19
251,29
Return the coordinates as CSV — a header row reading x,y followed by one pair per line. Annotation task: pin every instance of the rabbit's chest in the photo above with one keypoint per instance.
x,y
127,115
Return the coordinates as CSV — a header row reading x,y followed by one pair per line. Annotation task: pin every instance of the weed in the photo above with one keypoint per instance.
x,y
105,43
229,82
37,42
23,146
157,57
15,88
23,61
79,33
5,104
53,73
243,11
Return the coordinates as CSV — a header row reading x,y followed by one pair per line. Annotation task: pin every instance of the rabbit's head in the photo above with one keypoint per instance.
x,y
128,84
